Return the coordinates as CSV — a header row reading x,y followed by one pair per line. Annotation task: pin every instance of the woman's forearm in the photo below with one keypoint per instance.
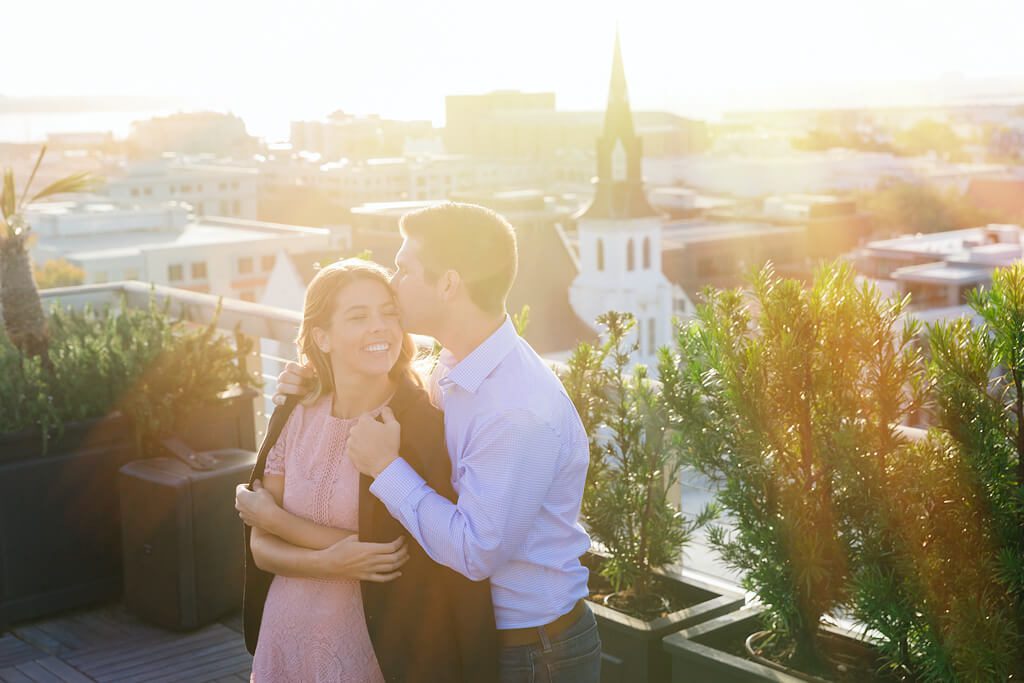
x,y
303,532
277,556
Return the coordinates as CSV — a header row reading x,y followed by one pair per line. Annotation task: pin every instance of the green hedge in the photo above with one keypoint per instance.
x,y
142,362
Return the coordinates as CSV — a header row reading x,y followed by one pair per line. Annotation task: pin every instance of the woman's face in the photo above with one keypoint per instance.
x,y
365,335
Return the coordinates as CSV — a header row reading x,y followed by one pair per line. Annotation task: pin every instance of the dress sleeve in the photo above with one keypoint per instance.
x,y
277,455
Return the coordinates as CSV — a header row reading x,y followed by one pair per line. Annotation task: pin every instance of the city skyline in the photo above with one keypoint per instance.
x,y
400,62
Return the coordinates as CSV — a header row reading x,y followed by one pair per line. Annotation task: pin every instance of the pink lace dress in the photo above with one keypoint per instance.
x,y
314,630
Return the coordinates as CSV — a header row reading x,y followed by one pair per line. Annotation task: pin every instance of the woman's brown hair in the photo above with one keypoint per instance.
x,y
317,311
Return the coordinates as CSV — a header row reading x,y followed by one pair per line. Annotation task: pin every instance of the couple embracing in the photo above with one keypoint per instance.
x,y
408,527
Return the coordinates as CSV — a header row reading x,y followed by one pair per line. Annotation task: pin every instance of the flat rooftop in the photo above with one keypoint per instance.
x,y
943,273
946,243
133,242
679,233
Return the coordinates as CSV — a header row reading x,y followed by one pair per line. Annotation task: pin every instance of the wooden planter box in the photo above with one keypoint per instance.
x,y
60,543
631,649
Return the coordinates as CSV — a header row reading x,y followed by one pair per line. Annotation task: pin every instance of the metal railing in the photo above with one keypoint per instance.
x,y
272,330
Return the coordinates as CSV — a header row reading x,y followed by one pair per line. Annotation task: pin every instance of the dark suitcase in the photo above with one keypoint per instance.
x,y
182,539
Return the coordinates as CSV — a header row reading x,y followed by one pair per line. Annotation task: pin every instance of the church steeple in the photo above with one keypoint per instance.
x,y
618,118
617,197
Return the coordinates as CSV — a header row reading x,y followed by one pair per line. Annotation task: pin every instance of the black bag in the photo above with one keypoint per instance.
x,y
256,582
183,553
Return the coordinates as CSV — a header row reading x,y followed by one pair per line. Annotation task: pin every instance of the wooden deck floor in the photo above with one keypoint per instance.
x,y
108,644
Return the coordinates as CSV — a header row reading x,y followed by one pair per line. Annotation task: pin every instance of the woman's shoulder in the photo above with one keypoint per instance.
x,y
295,412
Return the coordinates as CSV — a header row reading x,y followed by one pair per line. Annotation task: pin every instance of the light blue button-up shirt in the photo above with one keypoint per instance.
x,y
519,463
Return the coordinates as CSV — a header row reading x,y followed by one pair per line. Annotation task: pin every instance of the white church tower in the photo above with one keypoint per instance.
x,y
620,234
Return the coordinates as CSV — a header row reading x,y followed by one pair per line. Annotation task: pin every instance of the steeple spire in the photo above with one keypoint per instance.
x,y
618,118
616,198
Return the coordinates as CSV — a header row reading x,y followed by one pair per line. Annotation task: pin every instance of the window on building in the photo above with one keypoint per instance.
x,y
223,207
148,191
199,187
600,254
247,295
222,186
234,185
647,253
652,342
135,192
131,273
630,255
236,208
175,272
186,188
198,208
245,265
100,276
267,262
199,270
174,189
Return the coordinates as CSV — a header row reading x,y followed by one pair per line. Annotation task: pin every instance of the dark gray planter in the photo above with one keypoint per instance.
x,y
698,653
631,649
60,544
60,515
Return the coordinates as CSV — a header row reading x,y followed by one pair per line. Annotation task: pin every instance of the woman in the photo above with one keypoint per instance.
x,y
408,619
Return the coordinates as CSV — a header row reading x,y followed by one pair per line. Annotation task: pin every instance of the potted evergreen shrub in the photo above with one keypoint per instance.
x,y
628,512
978,372
791,398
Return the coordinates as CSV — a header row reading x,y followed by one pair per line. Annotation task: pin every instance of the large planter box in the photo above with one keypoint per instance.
x,y
699,654
60,542
631,649
713,652
60,515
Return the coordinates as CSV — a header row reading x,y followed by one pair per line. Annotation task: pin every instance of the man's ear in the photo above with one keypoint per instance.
x,y
449,283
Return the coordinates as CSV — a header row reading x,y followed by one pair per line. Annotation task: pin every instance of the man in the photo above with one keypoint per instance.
x,y
518,448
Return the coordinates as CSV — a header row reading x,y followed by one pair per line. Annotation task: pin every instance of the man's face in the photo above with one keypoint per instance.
x,y
418,297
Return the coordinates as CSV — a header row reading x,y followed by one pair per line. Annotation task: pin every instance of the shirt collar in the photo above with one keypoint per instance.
x,y
481,362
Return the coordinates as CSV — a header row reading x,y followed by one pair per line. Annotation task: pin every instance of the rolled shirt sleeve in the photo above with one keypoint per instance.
x,y
503,478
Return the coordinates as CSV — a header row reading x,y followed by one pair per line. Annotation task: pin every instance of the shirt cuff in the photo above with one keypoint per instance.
x,y
396,483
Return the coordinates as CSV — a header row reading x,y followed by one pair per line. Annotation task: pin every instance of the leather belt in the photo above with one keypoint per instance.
x,y
515,637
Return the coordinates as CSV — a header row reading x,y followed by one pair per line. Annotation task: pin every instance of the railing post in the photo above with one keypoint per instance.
x,y
252,364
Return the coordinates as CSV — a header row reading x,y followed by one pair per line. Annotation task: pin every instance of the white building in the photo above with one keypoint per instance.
x,y
619,234
163,244
210,189
939,269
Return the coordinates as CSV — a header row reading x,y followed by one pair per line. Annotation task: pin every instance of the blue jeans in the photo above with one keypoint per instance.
x,y
573,657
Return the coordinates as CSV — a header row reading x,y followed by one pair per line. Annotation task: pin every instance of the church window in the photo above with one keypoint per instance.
x,y
630,256
600,254
647,253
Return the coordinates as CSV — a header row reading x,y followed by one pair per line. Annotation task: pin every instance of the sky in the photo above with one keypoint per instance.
x,y
305,58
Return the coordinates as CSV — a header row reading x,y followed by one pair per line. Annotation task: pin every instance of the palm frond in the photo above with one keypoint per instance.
x,y
24,191
7,196
78,182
